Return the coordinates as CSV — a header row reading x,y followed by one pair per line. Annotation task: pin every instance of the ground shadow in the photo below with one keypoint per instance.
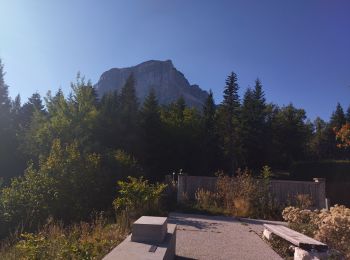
x,y
184,258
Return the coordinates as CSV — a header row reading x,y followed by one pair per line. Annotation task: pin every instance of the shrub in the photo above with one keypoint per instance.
x,y
245,196
138,197
206,199
80,241
304,201
334,228
301,220
330,227
66,185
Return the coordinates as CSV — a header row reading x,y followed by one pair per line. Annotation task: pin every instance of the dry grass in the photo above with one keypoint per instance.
x,y
54,241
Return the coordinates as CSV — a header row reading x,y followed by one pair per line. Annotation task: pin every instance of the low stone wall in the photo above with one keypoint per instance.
x,y
282,190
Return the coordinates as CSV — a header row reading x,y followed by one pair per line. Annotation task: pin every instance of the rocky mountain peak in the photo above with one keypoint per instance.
x,y
168,83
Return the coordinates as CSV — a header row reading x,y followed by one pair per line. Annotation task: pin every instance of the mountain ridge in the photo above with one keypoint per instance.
x,y
168,83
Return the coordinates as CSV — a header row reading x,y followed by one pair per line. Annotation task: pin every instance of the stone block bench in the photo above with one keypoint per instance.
x,y
152,238
305,247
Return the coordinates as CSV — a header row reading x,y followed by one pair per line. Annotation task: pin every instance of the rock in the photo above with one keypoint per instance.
x,y
301,254
168,83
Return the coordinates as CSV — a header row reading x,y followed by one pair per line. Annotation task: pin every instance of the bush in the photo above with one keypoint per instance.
x,y
241,195
330,227
137,197
207,200
80,241
246,196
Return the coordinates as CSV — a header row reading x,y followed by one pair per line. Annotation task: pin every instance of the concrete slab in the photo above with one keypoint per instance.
x,y
129,250
149,229
216,237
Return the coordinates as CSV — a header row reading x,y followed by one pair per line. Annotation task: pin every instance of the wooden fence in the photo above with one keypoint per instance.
x,y
282,190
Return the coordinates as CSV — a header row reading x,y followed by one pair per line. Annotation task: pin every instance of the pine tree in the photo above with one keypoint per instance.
x,y
347,116
129,105
229,120
338,117
5,102
210,141
151,135
150,111
8,142
253,126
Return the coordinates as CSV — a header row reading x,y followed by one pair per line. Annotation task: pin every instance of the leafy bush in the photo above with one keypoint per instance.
x,y
68,185
330,227
138,197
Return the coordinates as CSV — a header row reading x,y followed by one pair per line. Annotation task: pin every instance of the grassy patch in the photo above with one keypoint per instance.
x,y
80,241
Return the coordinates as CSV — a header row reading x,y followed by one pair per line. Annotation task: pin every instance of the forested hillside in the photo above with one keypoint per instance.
x,y
61,156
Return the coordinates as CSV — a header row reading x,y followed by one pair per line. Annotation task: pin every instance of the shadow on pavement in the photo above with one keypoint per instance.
x,y
184,258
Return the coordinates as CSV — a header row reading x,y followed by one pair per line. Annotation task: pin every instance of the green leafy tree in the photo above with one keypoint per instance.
x,y
66,119
291,133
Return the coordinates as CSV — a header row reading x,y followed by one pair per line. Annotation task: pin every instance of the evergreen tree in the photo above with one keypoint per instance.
x,y
229,117
108,127
338,117
211,149
347,116
253,126
8,142
151,135
129,105
5,102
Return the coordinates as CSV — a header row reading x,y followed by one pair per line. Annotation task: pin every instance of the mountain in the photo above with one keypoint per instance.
x,y
168,83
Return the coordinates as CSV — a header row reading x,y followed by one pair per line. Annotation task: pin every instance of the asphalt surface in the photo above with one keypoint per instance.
x,y
216,237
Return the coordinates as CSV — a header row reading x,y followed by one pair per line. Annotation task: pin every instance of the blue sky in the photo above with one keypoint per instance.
x,y
299,49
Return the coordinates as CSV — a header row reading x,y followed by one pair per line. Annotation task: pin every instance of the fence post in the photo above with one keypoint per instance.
x,y
321,192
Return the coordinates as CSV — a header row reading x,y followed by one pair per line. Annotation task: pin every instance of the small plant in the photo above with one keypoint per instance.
x,y
138,197
206,199
303,201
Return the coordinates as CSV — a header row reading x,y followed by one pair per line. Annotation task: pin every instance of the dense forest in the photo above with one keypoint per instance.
x,y
62,155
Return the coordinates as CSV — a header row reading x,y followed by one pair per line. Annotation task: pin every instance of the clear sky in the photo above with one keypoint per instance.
x,y
300,49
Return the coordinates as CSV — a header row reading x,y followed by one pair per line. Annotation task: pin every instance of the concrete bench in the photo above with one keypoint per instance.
x,y
152,238
305,247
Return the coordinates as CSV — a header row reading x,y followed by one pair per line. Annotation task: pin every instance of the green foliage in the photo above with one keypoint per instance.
x,y
138,197
229,118
266,172
80,241
78,146
253,127
67,185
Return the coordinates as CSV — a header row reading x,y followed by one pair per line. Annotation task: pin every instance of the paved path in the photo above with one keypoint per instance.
x,y
216,237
